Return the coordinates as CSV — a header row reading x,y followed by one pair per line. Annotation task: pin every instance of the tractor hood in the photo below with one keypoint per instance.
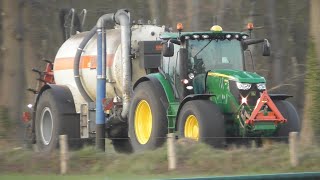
x,y
237,75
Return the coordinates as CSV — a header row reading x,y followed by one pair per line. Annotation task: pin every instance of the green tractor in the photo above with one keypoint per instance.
x,y
202,91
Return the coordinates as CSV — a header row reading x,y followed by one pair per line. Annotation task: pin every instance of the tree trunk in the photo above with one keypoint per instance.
x,y
12,88
277,52
310,126
155,10
315,24
193,15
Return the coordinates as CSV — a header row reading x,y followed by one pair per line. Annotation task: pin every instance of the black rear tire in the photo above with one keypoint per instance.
x,y
146,92
211,125
288,112
122,146
56,115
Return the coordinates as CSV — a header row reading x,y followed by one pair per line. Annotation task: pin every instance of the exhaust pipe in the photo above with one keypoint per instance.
x,y
121,17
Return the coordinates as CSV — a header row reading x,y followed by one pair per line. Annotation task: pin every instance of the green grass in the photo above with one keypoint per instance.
x,y
49,177
193,160
76,177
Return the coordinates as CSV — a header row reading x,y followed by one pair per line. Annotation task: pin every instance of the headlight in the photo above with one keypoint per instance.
x,y
243,86
261,86
191,75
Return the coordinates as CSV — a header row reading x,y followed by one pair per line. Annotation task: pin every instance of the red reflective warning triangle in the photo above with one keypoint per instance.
x,y
258,115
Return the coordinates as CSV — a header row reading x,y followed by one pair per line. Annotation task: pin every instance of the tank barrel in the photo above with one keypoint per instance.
x,y
96,67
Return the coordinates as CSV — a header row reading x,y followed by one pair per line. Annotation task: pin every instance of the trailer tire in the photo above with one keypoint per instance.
x,y
148,124
289,112
201,120
55,115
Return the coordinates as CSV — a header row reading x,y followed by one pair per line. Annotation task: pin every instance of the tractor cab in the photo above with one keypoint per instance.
x,y
188,57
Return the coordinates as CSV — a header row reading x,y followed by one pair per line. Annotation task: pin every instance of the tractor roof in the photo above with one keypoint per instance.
x,y
204,35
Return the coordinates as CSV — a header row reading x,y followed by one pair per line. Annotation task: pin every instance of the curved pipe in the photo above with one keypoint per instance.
x,y
101,66
122,17
76,64
101,78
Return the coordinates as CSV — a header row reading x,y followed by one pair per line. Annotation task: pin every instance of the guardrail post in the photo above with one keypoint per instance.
x,y
293,148
64,156
172,159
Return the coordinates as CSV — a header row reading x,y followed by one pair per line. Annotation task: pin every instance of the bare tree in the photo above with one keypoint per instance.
x,y
155,10
12,58
276,66
310,126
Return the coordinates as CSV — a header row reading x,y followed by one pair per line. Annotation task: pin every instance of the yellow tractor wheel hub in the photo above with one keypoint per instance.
x,y
191,128
143,122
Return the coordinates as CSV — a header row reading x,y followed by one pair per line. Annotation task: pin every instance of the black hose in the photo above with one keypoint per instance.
x,y
76,64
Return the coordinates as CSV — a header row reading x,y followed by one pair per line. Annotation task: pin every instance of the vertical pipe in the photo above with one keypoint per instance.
x,y
122,17
101,90
101,79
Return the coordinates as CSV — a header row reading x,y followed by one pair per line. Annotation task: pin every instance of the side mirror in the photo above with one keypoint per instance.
x,y
167,49
266,48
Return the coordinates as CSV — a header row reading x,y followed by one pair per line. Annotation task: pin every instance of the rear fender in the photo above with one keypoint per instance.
x,y
62,95
156,83
279,96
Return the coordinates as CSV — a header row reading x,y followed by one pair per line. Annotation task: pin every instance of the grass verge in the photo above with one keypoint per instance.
x,y
193,160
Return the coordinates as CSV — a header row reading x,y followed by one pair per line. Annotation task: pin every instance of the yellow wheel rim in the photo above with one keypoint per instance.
x,y
143,122
191,128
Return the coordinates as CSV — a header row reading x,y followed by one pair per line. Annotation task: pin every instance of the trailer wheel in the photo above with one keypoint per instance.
x,y
148,124
53,118
289,112
201,120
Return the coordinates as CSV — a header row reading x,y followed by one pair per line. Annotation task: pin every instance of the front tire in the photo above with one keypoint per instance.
x,y
148,124
288,112
56,115
201,120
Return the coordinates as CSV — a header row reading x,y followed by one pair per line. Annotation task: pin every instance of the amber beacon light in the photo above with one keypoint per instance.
x,y
250,26
179,27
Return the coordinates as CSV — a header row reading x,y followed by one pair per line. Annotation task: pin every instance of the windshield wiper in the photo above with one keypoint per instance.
x,y
202,48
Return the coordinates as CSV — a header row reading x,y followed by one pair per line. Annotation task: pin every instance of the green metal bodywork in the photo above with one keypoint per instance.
x,y
240,76
173,102
218,84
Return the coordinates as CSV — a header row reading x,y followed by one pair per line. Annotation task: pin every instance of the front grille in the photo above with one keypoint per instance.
x,y
253,94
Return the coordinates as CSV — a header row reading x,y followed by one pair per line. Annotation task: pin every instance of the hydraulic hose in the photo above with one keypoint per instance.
x,y
76,64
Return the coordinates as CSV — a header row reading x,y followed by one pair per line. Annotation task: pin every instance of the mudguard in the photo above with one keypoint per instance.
x,y
62,95
279,96
157,84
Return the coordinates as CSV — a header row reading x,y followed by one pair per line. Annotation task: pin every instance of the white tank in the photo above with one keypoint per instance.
x,y
63,64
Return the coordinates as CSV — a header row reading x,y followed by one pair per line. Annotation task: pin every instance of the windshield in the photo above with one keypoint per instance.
x,y
211,54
